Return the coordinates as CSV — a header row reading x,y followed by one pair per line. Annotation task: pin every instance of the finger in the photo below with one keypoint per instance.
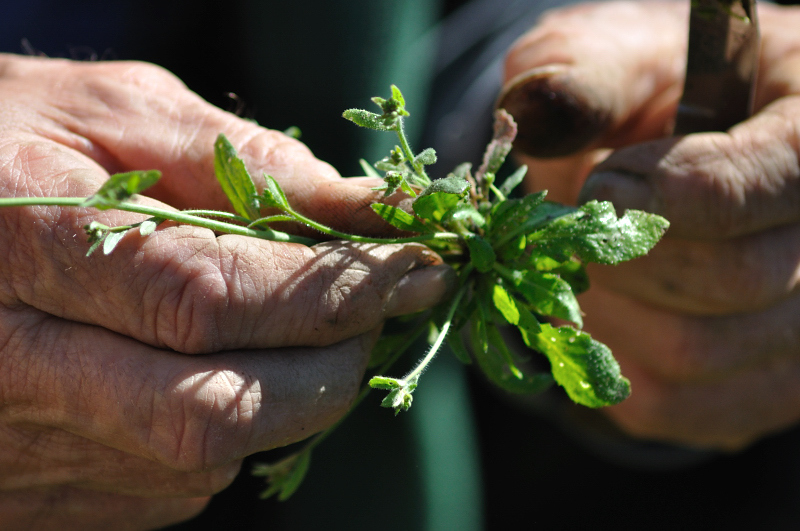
x,y
579,79
702,277
186,289
71,509
683,349
131,115
712,185
726,415
191,414
37,457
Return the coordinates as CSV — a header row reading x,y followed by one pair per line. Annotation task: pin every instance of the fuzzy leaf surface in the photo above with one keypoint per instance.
x,y
234,179
584,367
399,218
595,234
120,187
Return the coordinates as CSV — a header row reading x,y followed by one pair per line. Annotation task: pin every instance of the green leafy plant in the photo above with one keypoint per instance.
x,y
520,262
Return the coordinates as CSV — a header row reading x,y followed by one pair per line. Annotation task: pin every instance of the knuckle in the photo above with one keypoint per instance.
x,y
209,418
185,299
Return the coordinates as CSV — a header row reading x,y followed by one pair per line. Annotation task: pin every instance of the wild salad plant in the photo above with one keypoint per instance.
x,y
518,261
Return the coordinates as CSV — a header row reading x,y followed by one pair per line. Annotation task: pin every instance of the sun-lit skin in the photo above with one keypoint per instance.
x,y
707,326
132,385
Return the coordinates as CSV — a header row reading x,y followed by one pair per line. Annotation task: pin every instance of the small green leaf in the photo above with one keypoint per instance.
x,y
367,119
400,218
441,196
285,476
147,227
273,196
296,476
505,303
514,312
383,382
111,240
457,186
398,97
481,253
595,234
464,212
548,294
513,180
120,187
234,179
584,367
426,157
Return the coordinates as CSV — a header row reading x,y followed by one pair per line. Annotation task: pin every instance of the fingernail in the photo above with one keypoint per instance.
x,y
420,289
625,190
553,118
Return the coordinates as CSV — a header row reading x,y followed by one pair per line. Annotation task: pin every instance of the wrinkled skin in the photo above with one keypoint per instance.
x,y
707,326
132,385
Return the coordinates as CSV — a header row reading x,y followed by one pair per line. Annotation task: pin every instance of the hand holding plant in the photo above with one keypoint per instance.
x,y
134,383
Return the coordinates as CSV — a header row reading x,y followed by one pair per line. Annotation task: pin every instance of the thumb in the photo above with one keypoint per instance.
x,y
594,72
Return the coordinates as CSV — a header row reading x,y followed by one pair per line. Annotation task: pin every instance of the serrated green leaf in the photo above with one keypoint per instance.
x,y
234,179
120,187
584,367
481,253
400,218
111,240
595,234
513,180
426,157
366,119
273,196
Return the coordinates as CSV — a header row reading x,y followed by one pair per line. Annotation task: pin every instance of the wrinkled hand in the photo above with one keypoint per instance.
x,y
707,327
106,421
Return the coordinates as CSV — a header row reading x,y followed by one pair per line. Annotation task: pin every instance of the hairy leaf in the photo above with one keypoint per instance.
x,y
584,367
366,119
595,234
120,187
481,253
400,218
234,179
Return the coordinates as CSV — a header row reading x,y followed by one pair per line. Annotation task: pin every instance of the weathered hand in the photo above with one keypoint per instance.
x,y
707,327
132,385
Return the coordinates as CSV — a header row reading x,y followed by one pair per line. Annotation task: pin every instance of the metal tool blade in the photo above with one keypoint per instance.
x,y
721,67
